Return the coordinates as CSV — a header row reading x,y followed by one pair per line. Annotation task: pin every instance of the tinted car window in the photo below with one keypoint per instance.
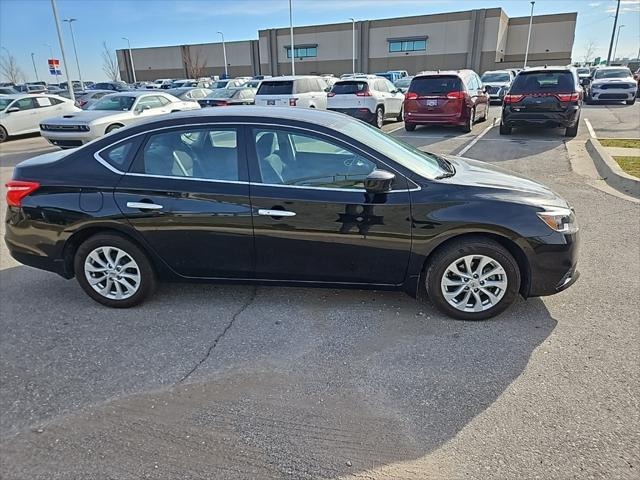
x,y
120,155
207,153
314,161
275,88
437,85
618,73
24,104
151,102
349,88
115,103
543,82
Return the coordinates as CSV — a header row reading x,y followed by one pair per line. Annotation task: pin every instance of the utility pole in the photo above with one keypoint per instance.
x,y
615,49
293,50
35,70
353,45
224,54
75,51
64,57
526,53
133,68
613,33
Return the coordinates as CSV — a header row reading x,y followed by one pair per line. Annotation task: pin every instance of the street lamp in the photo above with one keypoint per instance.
x,y
51,56
353,45
54,8
526,53
224,54
617,38
35,70
293,50
75,51
133,68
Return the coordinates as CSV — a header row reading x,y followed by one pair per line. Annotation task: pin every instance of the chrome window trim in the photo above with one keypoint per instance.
x,y
110,167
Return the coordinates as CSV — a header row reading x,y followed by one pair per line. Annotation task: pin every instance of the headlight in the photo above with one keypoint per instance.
x,y
561,220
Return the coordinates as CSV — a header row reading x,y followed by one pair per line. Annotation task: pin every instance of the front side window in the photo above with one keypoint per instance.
x,y
149,102
291,158
116,103
24,104
407,45
203,153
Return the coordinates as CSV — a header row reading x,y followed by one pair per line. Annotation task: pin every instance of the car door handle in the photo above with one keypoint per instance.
x,y
275,213
144,205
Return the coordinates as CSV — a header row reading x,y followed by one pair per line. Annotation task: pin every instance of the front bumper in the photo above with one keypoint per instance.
x,y
69,139
359,113
554,265
565,118
621,94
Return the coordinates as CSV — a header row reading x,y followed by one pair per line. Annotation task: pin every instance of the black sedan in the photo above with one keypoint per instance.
x,y
223,97
291,197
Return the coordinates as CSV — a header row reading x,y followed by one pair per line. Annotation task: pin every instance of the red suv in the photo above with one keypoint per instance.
x,y
452,97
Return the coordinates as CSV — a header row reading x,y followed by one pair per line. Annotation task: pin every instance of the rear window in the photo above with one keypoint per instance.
x,y
349,88
543,82
438,85
495,77
275,88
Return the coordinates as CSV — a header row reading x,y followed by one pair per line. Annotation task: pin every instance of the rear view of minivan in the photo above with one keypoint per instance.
x,y
304,91
445,98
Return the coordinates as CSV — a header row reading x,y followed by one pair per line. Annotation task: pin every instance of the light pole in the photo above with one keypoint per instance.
x,y
353,45
293,51
75,51
35,70
224,54
51,56
526,53
613,33
615,49
64,57
133,68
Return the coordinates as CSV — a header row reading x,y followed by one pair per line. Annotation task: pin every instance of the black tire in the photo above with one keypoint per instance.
x,y
630,102
113,127
409,127
378,118
147,284
504,130
572,131
3,134
467,127
400,116
457,249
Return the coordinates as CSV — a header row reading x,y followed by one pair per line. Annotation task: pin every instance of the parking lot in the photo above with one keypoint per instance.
x,y
207,381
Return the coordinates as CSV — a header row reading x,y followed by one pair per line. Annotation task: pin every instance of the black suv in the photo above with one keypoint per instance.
x,y
545,97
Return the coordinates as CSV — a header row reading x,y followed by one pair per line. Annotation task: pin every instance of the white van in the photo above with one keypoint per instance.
x,y
306,91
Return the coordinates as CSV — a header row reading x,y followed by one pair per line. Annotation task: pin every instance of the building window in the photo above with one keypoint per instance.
x,y
407,45
303,52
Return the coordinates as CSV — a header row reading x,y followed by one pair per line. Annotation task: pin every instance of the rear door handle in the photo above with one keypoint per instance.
x,y
144,205
275,213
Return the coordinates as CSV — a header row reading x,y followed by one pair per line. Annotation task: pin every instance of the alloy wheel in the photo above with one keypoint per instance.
x,y
379,117
112,272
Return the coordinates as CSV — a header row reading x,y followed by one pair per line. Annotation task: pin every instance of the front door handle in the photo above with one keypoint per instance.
x,y
275,213
144,205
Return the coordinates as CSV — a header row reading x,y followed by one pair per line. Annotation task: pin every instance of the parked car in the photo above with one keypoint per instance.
x,y
22,113
583,72
252,84
612,83
306,91
400,73
8,91
162,83
308,197
372,99
108,114
222,97
115,86
260,77
454,97
189,94
229,83
543,97
28,88
86,98
192,84
497,83
403,84
347,75
391,76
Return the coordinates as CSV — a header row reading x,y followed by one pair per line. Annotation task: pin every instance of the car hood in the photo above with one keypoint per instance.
x,y
87,116
502,184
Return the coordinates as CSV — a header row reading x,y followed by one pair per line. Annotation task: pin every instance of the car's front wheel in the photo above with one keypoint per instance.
x,y
378,119
631,102
114,271
472,279
3,134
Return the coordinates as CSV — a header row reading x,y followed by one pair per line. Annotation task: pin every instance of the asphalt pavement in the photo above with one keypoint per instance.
x,y
229,382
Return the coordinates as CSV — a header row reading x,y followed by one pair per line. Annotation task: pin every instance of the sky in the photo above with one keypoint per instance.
x,y
26,26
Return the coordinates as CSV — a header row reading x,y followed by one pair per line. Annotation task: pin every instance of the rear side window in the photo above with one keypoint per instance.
x,y
437,85
121,155
275,88
349,88
543,82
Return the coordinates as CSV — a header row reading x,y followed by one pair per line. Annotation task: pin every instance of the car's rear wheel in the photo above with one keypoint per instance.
x,y
114,271
113,127
630,102
472,279
378,119
409,127
572,131
3,134
504,130
401,114
468,126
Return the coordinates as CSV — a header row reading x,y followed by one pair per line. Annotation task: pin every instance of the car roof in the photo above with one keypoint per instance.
x,y
136,93
497,71
288,78
613,67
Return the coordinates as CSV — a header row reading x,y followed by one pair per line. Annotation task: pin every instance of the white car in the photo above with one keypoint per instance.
x,y
228,83
22,113
108,114
369,98
497,83
612,83
305,91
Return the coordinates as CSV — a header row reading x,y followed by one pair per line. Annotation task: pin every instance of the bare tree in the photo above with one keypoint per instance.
x,y
110,63
10,69
589,51
195,62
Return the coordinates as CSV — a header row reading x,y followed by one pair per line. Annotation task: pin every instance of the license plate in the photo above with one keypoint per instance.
x,y
432,103
271,102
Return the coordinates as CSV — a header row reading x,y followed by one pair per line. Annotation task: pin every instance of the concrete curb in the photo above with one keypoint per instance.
x,y
609,169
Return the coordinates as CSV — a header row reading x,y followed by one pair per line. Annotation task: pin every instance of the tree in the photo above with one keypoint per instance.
x,y
110,63
589,51
10,69
195,62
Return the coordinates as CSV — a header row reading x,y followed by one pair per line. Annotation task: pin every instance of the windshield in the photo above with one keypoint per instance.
x,y
501,77
5,102
618,73
116,103
417,161
222,93
583,71
543,82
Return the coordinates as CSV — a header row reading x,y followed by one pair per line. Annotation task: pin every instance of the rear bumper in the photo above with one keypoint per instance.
x,y
423,118
564,118
360,113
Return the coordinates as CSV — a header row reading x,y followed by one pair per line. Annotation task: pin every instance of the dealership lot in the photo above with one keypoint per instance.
x,y
258,382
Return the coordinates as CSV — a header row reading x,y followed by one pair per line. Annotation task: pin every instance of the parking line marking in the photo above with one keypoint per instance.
x,y
591,130
395,129
475,140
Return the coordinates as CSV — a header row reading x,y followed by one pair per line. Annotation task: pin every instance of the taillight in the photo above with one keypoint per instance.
x,y
292,102
364,93
568,97
411,96
331,94
455,95
17,190
512,99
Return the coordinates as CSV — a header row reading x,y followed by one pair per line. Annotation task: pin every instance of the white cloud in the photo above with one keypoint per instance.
x,y
596,4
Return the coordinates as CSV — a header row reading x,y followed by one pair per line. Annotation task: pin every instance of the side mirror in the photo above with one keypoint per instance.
x,y
379,181
13,109
486,88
